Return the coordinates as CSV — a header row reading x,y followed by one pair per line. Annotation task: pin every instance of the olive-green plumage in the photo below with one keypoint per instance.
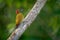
x,y
19,18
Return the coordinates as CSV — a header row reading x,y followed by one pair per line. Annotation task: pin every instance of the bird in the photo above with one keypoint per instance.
x,y
19,18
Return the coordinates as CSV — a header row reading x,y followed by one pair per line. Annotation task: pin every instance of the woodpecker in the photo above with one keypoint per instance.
x,y
19,18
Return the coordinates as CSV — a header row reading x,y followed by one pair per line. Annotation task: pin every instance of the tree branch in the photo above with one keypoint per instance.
x,y
28,20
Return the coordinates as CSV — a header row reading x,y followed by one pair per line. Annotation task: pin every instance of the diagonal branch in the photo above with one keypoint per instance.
x,y
28,20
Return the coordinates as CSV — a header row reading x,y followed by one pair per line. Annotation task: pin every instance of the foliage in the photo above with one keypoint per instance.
x,y
45,27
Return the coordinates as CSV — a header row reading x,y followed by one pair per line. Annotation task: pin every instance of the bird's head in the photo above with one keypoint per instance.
x,y
20,10
17,11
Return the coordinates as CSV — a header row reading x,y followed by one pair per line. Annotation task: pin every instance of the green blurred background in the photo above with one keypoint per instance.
x,y
45,27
